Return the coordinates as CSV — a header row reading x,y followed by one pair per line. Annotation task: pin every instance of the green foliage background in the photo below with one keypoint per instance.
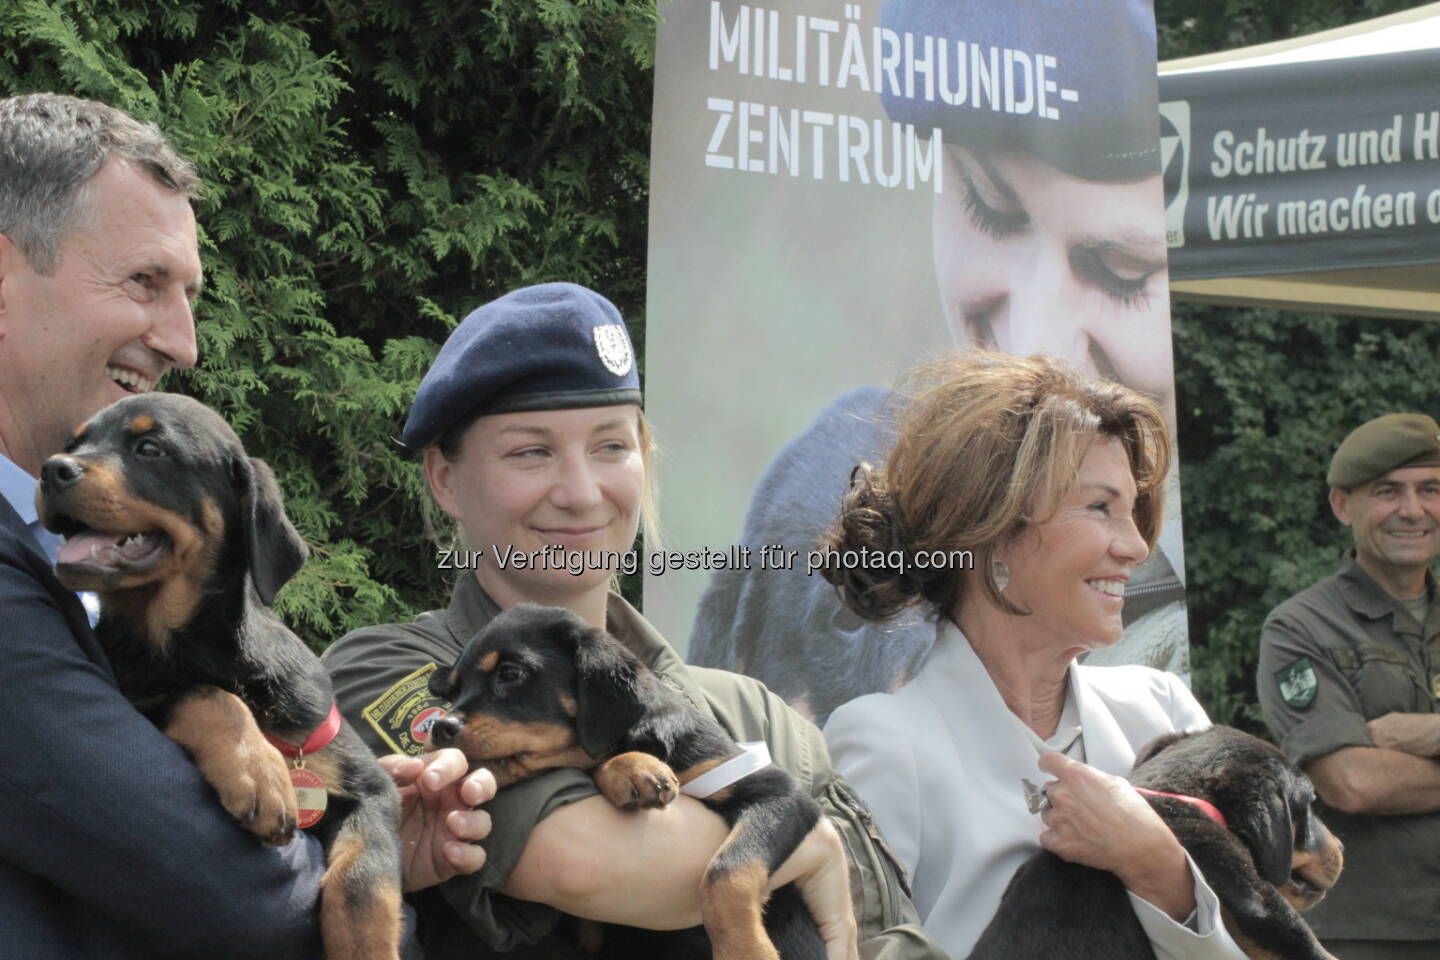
x,y
1265,397
376,168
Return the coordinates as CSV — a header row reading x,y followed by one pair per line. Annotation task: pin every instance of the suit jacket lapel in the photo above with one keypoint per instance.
x,y
984,732
1106,746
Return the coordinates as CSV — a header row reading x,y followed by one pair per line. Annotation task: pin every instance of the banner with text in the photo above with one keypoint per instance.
x,y
838,192
1299,167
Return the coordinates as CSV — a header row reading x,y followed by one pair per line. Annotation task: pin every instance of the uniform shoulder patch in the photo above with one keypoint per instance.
x,y
1297,683
404,714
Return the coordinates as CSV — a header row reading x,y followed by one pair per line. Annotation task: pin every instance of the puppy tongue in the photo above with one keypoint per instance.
x,y
87,546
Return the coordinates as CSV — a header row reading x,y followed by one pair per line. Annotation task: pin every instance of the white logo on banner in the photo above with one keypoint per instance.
x,y
613,348
1175,164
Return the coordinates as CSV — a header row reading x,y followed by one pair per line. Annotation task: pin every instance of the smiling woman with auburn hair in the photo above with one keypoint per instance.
x,y
971,469
1053,483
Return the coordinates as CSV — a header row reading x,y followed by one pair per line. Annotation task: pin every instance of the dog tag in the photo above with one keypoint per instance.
x,y
310,796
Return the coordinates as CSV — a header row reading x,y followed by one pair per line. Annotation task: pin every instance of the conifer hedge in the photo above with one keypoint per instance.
x,y
374,170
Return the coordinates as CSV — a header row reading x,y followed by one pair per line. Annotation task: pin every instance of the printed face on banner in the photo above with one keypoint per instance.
x,y
839,192
1030,259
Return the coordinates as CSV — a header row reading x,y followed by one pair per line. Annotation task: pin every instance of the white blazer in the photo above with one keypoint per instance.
x,y
939,762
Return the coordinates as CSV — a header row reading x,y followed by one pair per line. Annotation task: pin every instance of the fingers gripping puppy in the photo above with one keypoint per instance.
x,y
1242,813
186,541
539,688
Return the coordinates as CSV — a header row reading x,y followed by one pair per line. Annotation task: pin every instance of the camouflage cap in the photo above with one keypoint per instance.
x,y
1386,443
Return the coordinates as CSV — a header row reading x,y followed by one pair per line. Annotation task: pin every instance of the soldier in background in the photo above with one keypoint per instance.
x,y
1349,680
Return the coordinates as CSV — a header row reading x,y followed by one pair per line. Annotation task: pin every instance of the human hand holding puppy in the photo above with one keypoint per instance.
x,y
438,825
1098,820
821,873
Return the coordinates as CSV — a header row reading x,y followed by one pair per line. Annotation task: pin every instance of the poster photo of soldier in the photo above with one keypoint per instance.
x,y
1012,200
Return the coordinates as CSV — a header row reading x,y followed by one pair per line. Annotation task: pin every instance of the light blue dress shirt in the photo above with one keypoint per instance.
x,y
18,487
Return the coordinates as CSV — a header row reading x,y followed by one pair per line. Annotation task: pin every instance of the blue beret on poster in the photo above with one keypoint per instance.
x,y
555,346
1104,50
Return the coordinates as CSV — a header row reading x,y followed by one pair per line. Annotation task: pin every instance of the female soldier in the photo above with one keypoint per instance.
x,y
530,427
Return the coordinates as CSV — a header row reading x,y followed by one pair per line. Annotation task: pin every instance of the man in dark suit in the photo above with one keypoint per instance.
x,y
113,845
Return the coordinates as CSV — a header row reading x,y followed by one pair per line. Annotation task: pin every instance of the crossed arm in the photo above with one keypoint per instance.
x,y
1383,766
1398,775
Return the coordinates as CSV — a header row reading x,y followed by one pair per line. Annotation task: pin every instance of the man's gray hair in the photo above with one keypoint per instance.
x,y
51,146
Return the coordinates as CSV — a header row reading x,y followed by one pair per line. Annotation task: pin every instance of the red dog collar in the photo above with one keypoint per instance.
x,y
1209,809
316,741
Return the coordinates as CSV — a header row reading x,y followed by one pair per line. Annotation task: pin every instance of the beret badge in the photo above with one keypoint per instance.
x,y
613,348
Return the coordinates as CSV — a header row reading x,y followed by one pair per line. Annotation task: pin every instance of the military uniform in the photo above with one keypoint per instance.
x,y
381,683
1331,658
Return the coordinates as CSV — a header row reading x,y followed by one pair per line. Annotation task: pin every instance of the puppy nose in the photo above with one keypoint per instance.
x,y
60,472
445,730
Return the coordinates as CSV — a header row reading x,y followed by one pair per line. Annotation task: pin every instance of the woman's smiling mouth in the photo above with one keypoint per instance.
x,y
1109,587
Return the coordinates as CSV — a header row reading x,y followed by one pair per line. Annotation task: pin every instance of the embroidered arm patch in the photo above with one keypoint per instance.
x,y
404,714
1297,683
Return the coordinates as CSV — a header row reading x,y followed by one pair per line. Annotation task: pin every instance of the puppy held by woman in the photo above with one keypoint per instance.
x,y
1054,482
531,437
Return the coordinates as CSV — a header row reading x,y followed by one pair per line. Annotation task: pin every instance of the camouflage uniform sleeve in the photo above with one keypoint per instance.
x,y
1309,704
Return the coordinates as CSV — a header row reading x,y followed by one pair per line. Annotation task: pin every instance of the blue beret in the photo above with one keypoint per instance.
x,y
555,346
1104,50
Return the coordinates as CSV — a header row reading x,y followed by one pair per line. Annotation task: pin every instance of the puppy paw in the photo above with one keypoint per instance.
x,y
250,775
633,780
254,786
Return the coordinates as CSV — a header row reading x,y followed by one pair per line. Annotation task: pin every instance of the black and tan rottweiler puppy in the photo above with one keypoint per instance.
x,y
539,688
186,541
1270,857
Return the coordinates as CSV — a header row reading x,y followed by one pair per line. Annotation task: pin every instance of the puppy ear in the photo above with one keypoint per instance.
x,y
1263,822
442,682
607,691
274,550
1149,750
